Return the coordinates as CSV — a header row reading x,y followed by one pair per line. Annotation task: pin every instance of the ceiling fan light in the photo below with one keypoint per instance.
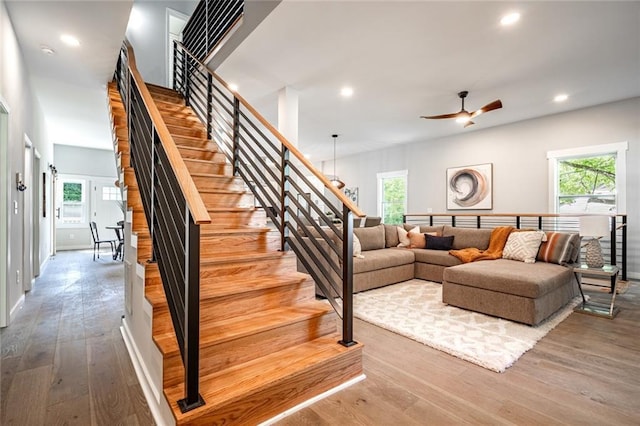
x,y
463,119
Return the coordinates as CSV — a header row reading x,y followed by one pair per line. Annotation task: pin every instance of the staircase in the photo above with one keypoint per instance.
x,y
266,343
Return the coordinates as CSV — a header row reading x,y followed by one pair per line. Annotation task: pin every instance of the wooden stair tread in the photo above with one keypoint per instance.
x,y
244,258
216,332
241,229
229,385
198,161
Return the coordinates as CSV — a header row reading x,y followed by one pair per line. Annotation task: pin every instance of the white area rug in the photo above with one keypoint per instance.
x,y
414,309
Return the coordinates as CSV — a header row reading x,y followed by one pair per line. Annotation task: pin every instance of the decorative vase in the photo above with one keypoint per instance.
x,y
593,256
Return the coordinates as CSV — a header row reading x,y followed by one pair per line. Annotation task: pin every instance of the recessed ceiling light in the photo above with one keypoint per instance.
x,y
346,92
233,87
561,97
47,50
510,19
70,40
307,156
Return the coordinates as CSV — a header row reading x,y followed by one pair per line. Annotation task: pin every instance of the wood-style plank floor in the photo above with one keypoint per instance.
x,y
63,358
64,362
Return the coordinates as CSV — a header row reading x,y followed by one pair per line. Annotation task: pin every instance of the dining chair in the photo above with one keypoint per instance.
x,y
97,241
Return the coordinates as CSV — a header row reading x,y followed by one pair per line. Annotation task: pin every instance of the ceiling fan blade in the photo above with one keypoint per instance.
x,y
497,104
468,123
437,117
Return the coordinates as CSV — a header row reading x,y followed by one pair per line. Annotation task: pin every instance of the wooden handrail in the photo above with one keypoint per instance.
x,y
191,194
292,149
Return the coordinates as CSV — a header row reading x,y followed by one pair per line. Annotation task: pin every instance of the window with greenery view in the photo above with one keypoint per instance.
x,y
73,209
587,184
392,196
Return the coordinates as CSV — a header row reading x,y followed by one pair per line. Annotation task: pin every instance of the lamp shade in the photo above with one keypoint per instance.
x,y
594,226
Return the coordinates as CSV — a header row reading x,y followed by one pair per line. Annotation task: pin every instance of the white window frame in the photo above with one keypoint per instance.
x,y
619,149
380,177
86,184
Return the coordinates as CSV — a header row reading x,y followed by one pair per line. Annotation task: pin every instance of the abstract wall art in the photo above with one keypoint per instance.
x,y
470,187
352,194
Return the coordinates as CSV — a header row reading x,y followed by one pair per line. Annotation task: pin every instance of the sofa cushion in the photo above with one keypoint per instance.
x,y
436,257
391,236
531,280
439,243
560,248
468,237
381,259
403,236
371,238
424,228
523,246
357,247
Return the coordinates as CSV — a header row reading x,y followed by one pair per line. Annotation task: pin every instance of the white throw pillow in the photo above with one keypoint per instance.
x,y
523,246
357,247
404,238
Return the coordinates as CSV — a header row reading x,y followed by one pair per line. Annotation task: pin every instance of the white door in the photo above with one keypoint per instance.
x,y
27,217
175,24
106,206
4,211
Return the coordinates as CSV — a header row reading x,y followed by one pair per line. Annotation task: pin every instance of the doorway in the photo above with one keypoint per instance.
x,y
27,216
175,24
4,211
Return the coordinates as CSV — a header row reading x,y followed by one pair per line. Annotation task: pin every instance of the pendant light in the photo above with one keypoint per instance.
x,y
335,181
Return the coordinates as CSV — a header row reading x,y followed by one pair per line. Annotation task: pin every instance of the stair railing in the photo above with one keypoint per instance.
x,y
209,25
289,188
174,212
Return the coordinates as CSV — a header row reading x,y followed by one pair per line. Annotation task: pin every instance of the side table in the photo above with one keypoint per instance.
x,y
593,308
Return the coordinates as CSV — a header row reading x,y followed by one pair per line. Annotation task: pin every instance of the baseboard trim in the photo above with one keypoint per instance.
x,y
16,307
313,400
151,394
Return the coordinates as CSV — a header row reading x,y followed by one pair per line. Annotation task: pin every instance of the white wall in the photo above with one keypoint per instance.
x,y
519,155
25,117
149,40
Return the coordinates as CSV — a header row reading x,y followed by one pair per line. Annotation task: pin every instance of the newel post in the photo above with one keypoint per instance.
x,y
347,277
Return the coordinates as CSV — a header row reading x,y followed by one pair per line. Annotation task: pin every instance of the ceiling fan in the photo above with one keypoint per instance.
x,y
464,116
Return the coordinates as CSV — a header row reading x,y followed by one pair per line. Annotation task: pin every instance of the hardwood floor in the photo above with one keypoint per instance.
x,y
63,358
64,362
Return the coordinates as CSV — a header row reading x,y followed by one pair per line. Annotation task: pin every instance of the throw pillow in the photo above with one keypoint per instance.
x,y
434,242
357,247
417,240
523,246
560,248
391,236
371,237
403,236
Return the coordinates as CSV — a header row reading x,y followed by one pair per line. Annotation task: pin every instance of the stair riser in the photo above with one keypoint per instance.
x,y
205,183
167,107
235,219
227,244
139,222
186,131
210,155
220,308
222,355
174,99
191,142
248,270
219,200
121,145
144,249
222,169
125,159
272,400
130,177
183,120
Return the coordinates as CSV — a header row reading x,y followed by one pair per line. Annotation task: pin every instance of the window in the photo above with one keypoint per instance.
x,y
73,209
111,193
589,179
392,196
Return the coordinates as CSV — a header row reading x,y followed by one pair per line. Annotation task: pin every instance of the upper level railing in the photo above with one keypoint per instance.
x,y
209,24
281,179
614,247
174,212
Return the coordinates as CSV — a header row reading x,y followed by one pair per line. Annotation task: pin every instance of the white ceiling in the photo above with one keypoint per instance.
x,y
407,59
403,59
71,84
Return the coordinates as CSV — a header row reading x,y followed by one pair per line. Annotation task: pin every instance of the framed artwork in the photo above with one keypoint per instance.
x,y
470,187
352,194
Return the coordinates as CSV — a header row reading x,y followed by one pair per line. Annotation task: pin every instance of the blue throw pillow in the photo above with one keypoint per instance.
x,y
439,243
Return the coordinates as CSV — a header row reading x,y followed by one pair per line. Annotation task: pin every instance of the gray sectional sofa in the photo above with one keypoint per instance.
x,y
510,289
